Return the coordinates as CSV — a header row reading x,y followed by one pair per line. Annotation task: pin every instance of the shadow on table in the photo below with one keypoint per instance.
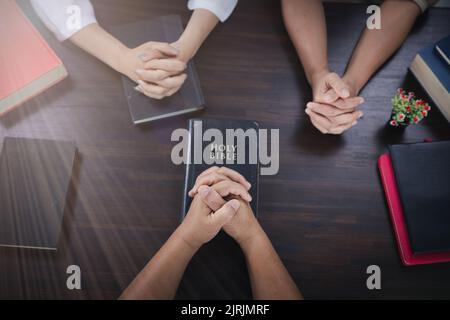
x,y
71,199
311,140
217,271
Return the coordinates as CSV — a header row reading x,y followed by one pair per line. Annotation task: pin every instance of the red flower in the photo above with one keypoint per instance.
x,y
393,123
420,102
407,109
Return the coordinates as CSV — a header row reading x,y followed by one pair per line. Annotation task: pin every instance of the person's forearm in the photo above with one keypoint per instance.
x,y
305,22
159,280
376,46
102,45
269,278
200,25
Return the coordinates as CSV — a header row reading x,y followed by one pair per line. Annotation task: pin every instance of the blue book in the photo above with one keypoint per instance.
x,y
433,74
443,48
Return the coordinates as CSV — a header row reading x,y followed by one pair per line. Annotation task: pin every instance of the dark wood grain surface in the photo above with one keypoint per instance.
x,y
325,211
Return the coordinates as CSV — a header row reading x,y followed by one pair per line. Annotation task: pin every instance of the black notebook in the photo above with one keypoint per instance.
x,y
142,108
222,152
422,172
34,181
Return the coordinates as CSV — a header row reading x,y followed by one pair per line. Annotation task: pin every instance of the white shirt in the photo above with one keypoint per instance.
x,y
424,4
56,13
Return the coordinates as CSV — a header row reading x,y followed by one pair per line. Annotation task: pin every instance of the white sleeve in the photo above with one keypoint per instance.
x,y
221,8
425,4
60,16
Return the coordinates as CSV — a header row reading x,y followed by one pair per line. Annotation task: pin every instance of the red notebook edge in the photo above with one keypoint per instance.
x,y
398,220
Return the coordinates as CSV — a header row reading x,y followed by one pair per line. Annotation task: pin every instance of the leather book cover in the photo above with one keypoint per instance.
x,y
35,178
398,218
422,172
221,150
142,108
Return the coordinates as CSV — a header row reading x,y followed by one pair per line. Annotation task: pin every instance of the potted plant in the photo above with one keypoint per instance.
x,y
406,109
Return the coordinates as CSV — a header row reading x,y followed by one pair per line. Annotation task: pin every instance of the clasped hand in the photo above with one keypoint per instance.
x,y
335,106
220,200
157,68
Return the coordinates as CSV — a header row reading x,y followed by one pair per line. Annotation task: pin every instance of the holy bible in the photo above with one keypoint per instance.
x,y
235,145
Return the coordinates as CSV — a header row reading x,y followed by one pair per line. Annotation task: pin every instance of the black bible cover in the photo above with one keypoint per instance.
x,y
142,108
249,170
34,181
422,171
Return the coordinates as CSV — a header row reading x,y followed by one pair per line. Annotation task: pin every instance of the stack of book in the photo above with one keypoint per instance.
x,y
416,181
431,67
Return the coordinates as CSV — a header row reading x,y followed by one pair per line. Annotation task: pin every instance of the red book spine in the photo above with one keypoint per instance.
x,y
398,218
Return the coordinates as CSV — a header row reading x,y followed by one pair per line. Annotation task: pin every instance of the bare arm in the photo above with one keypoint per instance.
x,y
376,46
200,25
99,43
334,106
305,22
268,275
155,66
161,276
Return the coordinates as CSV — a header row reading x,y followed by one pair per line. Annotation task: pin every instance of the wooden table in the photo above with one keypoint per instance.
x,y
325,210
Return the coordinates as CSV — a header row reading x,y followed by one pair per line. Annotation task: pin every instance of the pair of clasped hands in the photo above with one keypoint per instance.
x,y
157,68
335,104
159,71
220,200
